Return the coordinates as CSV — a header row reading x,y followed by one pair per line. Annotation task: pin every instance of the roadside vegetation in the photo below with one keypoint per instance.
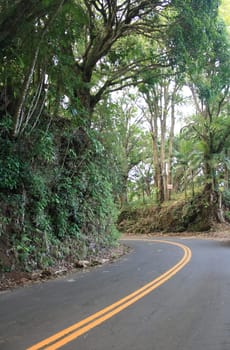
x,y
103,105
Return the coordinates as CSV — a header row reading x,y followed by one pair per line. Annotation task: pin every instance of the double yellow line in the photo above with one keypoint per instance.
x,y
69,334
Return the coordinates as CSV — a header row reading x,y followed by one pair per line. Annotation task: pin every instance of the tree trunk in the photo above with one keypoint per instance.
x,y
157,170
226,172
19,116
171,140
220,211
124,194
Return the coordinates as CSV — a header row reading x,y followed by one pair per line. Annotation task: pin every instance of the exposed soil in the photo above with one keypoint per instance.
x,y
178,216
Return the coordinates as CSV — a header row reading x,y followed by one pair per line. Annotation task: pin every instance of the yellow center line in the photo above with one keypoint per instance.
x,y
69,334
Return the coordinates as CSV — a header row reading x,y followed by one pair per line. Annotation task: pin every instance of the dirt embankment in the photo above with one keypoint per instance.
x,y
180,216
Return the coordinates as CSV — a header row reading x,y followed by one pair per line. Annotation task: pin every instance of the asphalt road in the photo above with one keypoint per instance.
x,y
189,311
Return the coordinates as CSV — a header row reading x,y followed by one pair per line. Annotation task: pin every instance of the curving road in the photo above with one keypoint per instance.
x,y
153,298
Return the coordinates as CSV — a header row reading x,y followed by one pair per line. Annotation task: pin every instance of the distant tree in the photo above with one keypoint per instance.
x,y
161,96
141,180
121,132
187,167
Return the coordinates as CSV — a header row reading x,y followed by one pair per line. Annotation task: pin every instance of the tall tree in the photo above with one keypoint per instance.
x,y
210,82
161,96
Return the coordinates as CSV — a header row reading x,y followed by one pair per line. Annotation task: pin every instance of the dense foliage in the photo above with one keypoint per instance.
x,y
68,140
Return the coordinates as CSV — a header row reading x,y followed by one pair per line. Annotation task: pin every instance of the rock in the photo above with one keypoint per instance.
x,y
99,261
103,261
62,271
35,275
46,273
82,263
